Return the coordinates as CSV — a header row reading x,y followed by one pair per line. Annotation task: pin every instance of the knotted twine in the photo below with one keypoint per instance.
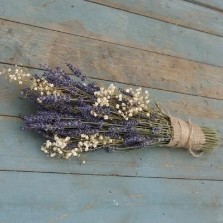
x,y
187,135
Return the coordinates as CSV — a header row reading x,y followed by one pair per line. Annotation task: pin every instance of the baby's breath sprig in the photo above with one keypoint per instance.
x,y
17,74
21,76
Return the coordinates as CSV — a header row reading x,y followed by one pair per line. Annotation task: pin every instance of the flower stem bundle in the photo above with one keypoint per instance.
x,y
77,116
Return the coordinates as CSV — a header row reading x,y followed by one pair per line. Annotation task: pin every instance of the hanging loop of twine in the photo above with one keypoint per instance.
x,y
187,135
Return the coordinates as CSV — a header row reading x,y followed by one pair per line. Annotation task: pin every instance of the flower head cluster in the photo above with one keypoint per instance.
x,y
103,99
104,95
18,74
62,147
91,142
44,87
35,83
57,148
130,103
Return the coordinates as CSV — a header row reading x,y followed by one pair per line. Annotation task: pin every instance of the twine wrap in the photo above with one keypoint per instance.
x,y
187,135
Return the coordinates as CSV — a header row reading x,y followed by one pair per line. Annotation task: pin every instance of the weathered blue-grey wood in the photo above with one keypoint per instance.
x,y
116,26
214,4
32,46
110,44
178,12
33,197
20,150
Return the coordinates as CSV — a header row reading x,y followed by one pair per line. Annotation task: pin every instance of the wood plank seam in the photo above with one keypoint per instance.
x,y
118,82
55,198
205,5
118,44
136,45
108,175
159,19
159,70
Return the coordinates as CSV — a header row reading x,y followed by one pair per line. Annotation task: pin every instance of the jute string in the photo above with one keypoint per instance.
x,y
187,135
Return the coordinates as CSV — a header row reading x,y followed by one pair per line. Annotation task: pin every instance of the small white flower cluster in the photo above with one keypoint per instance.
x,y
44,88
91,142
37,84
86,143
127,106
103,98
104,95
17,74
57,148
132,106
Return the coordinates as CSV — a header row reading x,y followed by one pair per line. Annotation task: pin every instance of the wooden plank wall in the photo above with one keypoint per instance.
x,y
172,48
214,4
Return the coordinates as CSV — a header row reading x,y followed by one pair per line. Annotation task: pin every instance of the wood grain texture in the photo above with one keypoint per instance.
x,y
119,27
110,44
21,150
32,46
177,12
30,197
214,4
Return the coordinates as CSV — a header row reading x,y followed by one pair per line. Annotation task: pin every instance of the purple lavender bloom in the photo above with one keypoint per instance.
x,y
61,124
28,93
102,110
51,99
85,88
130,123
60,79
76,72
59,104
59,107
112,133
93,86
75,132
135,140
41,117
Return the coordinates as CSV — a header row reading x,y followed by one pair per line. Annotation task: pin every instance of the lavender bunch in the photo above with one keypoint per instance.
x,y
77,116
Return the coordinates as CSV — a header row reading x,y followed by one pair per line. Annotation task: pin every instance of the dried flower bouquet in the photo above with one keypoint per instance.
x,y
77,116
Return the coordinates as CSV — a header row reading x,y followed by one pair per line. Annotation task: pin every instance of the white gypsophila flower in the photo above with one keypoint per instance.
x,y
126,106
44,87
91,142
18,74
104,95
105,117
129,106
23,77
86,143
57,147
